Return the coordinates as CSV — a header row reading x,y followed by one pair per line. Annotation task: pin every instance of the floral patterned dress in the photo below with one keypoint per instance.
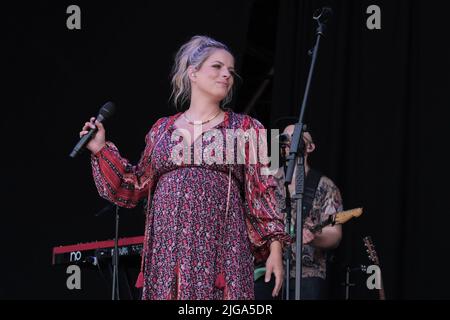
x,y
196,246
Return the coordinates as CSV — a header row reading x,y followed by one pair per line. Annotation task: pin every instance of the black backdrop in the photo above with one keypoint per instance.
x,y
377,110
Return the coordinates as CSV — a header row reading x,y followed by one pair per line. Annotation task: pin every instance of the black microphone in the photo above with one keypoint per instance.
x,y
105,112
323,14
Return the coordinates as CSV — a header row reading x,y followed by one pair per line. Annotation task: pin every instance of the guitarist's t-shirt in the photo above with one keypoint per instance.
x,y
327,201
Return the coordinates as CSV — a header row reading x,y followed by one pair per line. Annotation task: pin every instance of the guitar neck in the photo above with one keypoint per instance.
x,y
339,218
373,256
321,225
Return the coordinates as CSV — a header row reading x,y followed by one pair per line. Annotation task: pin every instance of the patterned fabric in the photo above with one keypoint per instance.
x,y
192,250
327,201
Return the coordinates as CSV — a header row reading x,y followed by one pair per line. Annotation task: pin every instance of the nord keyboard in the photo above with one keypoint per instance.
x,y
92,252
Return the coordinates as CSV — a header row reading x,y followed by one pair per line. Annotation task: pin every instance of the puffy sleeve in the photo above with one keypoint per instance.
x,y
117,180
264,217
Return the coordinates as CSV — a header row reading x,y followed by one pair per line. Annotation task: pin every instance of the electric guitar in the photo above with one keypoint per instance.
x,y
373,256
338,218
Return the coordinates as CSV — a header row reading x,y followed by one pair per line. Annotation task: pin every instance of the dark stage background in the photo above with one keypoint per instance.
x,y
377,110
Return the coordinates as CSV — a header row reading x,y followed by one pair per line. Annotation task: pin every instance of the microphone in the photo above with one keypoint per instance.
x,y
105,112
323,14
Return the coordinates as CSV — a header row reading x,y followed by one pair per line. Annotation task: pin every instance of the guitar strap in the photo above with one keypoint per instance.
x,y
311,183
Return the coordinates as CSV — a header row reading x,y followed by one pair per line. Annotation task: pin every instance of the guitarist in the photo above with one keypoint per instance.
x,y
321,199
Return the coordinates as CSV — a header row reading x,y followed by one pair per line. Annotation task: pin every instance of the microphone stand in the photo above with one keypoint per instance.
x,y
115,253
115,260
296,156
288,219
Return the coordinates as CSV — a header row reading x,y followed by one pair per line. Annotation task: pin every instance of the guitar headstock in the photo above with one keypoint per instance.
x,y
370,249
343,217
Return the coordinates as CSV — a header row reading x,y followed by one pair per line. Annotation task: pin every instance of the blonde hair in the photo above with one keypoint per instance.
x,y
192,53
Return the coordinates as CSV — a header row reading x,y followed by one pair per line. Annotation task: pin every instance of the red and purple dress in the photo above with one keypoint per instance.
x,y
193,248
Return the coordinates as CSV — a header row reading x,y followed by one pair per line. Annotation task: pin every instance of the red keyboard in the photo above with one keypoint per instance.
x,y
91,252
